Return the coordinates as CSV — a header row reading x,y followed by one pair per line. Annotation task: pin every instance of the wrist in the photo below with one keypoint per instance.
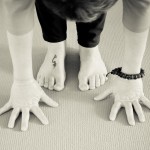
x,y
131,70
131,67
24,81
23,74
118,71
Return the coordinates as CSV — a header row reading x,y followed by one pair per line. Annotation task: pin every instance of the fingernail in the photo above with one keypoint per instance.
x,y
132,123
23,129
10,126
56,104
142,120
111,118
95,98
46,122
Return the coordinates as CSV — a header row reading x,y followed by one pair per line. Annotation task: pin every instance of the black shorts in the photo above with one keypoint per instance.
x,y
54,28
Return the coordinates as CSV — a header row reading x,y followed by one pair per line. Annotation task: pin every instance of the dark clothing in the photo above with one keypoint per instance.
x,y
54,27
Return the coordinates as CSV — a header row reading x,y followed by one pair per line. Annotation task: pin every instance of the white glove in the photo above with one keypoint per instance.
x,y
127,94
25,97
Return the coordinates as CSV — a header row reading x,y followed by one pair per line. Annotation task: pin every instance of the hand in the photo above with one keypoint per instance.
x,y
25,98
127,94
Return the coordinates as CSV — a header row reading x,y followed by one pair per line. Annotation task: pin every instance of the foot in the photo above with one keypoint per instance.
x,y
52,72
93,71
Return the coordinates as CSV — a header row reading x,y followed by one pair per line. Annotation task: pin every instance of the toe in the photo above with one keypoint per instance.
x,y
59,87
83,85
51,83
97,81
41,81
59,84
46,82
92,82
102,79
106,78
38,77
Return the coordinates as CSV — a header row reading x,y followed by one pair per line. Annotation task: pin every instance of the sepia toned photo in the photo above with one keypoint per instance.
x,y
74,75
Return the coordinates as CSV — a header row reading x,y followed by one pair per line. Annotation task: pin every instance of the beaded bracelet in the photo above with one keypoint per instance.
x,y
117,71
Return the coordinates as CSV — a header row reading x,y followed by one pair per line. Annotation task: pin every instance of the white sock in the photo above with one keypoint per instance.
x,y
21,53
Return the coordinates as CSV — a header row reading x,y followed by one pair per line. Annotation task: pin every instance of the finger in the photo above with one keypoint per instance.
x,y
46,99
25,119
97,80
145,101
92,82
129,113
5,108
103,95
139,111
39,114
114,110
13,117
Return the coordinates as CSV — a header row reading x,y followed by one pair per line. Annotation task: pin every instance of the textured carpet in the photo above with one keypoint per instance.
x,y
79,123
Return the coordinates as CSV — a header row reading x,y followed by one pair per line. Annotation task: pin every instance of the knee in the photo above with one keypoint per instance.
x,y
140,5
17,6
144,3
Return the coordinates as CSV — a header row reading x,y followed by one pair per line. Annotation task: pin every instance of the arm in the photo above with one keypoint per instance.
x,y
129,93
25,92
136,20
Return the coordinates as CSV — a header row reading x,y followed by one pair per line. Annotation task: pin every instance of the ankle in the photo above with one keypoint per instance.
x,y
88,53
56,49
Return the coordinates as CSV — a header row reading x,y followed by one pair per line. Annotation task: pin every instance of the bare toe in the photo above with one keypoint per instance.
x,y
41,81
46,83
92,82
102,78
97,81
51,83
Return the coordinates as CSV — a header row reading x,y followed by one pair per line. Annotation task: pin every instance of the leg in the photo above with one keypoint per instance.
x,y
90,76
52,72
136,15
19,16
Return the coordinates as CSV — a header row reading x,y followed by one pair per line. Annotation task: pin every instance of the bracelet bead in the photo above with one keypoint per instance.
x,y
117,71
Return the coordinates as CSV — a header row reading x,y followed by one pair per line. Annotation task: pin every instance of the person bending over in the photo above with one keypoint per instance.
x,y
26,93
